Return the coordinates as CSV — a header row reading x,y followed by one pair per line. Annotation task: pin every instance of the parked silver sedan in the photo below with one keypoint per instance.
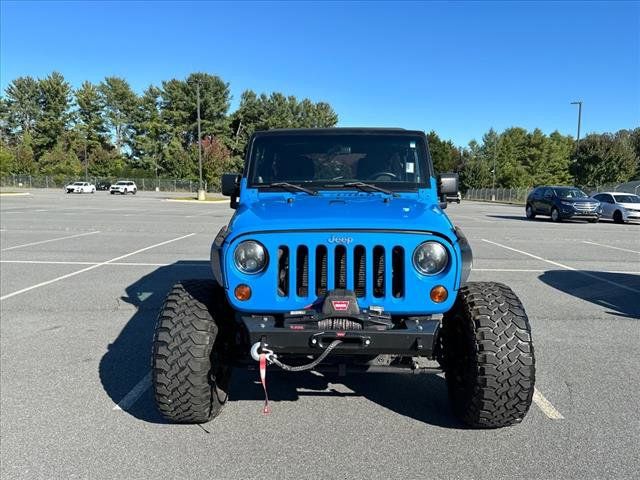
x,y
619,206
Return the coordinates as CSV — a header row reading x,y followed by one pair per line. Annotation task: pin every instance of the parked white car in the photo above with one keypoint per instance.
x,y
619,206
80,187
123,187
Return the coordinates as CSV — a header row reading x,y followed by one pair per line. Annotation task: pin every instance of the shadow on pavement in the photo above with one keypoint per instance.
x,y
583,284
127,362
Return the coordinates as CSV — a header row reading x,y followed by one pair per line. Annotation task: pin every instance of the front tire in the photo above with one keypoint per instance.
x,y
190,374
487,356
529,212
617,217
555,215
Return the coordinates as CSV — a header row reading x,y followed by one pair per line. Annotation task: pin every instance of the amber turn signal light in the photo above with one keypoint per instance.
x,y
242,292
439,294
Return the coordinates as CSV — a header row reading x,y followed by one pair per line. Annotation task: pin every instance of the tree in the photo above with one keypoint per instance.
x,y
179,107
24,162
604,158
151,131
476,170
264,112
120,103
53,120
7,161
105,162
91,116
60,163
22,105
445,156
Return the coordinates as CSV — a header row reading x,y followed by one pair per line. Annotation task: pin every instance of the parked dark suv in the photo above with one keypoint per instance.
x,y
561,203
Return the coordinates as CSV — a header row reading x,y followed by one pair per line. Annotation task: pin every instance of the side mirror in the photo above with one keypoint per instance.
x,y
231,187
448,184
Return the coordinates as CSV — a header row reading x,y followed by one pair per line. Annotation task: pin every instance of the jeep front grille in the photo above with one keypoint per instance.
x,y
377,272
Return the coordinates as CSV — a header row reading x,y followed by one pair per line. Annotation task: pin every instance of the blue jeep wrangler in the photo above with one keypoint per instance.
x,y
339,258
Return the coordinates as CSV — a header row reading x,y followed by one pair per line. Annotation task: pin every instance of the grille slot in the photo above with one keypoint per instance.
x,y
283,271
341,267
359,271
378,271
397,272
302,271
321,270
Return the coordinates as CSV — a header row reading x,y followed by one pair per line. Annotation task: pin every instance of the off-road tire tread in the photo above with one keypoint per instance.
x,y
489,324
185,355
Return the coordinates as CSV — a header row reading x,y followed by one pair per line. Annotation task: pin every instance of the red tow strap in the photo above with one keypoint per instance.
x,y
263,379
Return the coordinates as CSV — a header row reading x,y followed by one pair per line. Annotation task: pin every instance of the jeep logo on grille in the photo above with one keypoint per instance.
x,y
342,240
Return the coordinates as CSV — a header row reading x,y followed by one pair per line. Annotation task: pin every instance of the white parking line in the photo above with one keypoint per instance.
x,y
611,246
566,267
50,240
545,405
77,272
123,264
135,393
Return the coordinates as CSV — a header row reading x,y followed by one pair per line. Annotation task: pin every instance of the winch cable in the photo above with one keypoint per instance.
x,y
301,368
268,356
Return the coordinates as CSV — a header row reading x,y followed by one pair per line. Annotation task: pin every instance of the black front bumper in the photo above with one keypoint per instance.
x,y
415,337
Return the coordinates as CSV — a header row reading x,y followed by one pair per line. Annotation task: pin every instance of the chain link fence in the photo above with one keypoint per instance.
x,y
143,184
502,195
519,195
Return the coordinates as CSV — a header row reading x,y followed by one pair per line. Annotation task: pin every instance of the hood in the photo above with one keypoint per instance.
x,y
582,200
630,206
340,211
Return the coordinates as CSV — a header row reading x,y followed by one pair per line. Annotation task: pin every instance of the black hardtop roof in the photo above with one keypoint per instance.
x,y
339,131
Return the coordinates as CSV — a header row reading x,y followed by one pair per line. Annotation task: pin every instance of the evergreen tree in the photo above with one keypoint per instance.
x,y
54,99
21,105
120,103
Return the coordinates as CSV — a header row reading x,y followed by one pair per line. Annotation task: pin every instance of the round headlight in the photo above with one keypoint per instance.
x,y
430,258
250,257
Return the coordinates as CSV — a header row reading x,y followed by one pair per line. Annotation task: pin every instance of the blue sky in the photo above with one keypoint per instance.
x,y
457,68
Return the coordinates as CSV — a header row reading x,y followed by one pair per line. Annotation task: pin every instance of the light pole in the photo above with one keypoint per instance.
x,y
86,160
493,171
579,103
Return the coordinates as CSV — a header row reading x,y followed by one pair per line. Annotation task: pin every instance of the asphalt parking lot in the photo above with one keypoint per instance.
x,y
83,277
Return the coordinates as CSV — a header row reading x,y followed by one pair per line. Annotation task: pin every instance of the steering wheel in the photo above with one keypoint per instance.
x,y
377,175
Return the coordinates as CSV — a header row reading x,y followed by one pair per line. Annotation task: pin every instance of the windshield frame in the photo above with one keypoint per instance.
x,y
426,164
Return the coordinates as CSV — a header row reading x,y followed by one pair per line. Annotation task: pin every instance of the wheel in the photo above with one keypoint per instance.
x,y
124,192
529,212
112,193
458,201
555,215
617,217
487,356
134,191
190,375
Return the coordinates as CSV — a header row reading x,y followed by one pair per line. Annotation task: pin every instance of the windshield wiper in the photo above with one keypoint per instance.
x,y
290,187
367,187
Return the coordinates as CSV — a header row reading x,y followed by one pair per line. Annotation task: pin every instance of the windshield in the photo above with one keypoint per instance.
x,y
78,183
121,183
332,160
627,198
570,193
